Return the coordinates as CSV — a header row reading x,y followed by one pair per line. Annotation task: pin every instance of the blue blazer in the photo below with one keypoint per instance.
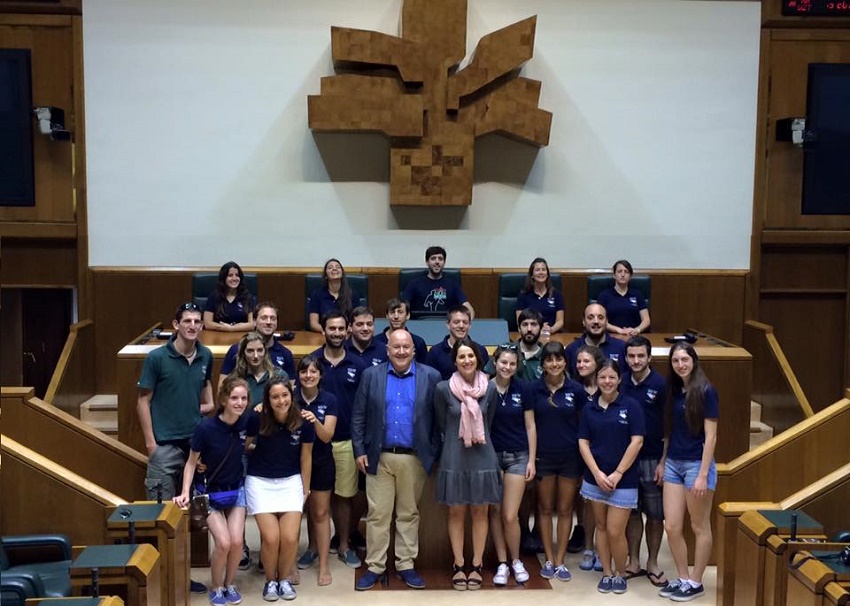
x,y
369,416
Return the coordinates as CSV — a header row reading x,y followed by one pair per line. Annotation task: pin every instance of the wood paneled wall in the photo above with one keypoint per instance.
x,y
129,300
800,266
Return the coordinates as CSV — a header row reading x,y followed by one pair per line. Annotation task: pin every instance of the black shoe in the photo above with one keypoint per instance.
x,y
334,544
576,544
196,587
532,545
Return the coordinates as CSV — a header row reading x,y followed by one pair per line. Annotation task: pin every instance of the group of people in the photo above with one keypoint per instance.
x,y
359,424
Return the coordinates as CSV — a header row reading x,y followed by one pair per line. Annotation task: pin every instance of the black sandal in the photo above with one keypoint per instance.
x,y
459,582
474,583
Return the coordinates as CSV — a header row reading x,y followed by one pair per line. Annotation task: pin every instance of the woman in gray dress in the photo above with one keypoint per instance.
x,y
468,477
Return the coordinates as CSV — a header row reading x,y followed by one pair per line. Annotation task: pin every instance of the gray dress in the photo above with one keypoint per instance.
x,y
467,475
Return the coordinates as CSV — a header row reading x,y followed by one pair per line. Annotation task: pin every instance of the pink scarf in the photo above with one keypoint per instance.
x,y
471,421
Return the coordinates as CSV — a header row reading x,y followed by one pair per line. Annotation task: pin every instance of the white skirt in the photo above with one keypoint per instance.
x,y
274,495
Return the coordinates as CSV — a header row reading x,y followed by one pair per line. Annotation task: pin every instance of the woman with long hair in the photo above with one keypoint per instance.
x,y
468,477
610,437
254,365
539,293
280,446
219,440
514,436
230,307
557,401
319,407
690,475
335,293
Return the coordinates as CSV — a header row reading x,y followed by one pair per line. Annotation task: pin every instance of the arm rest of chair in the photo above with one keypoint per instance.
x,y
32,549
21,582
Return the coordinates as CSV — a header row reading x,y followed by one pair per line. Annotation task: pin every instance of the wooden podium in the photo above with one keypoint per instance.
x,y
759,572
128,571
166,527
817,581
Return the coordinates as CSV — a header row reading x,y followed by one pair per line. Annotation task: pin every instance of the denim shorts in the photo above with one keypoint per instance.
x,y
624,498
240,501
513,462
650,498
685,472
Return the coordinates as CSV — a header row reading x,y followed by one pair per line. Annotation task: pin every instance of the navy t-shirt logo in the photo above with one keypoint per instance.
x,y
623,417
278,361
550,301
351,374
651,394
436,298
516,400
295,437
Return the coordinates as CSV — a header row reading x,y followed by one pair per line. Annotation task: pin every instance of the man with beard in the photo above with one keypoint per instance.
x,y
341,377
398,313
265,323
396,442
530,322
649,388
361,342
458,322
595,322
434,293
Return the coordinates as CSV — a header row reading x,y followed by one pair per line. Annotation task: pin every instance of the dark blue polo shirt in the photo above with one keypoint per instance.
x,y
622,310
234,312
325,405
610,346
217,441
557,419
609,431
440,357
684,446
419,345
433,296
277,455
280,356
547,305
322,301
508,428
342,381
651,394
374,354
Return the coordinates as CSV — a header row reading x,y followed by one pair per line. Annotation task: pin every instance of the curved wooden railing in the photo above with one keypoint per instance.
x,y
768,476
775,386
41,496
74,380
68,441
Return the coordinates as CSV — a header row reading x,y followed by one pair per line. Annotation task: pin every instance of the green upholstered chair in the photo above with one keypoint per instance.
x,y
40,563
510,284
204,282
358,282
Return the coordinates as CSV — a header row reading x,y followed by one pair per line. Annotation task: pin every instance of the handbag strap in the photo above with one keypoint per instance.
x,y
208,480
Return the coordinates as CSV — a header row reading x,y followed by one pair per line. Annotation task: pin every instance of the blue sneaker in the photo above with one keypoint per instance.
x,y
217,597
307,559
671,588
606,585
587,560
232,595
619,585
687,592
349,558
411,578
367,581
548,570
196,587
597,564
270,591
285,590
562,574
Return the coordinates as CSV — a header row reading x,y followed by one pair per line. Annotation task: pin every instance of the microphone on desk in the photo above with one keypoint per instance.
x,y
793,536
159,493
95,589
126,513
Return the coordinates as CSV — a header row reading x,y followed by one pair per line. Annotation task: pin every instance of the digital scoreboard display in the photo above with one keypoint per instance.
x,y
816,8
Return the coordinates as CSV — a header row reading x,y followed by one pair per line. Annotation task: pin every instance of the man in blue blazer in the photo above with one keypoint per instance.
x,y
396,442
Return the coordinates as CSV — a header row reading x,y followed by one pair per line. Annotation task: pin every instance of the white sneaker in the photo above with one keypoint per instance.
x,y
520,573
501,576
285,590
270,591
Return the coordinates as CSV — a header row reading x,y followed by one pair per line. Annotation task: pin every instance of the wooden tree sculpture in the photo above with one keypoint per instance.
x,y
431,113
